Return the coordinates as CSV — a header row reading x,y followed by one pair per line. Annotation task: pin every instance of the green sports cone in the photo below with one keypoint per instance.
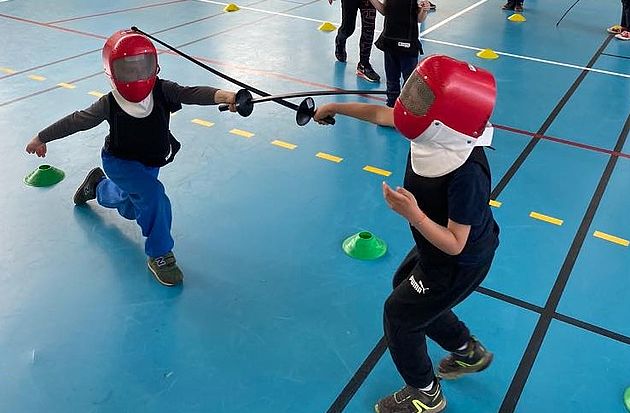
x,y
626,398
364,246
44,175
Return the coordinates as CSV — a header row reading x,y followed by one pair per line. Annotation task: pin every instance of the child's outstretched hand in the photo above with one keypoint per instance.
x,y
403,202
323,112
224,96
37,147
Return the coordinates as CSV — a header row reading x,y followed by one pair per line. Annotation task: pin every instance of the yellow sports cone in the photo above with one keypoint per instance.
x,y
516,17
231,7
487,54
327,27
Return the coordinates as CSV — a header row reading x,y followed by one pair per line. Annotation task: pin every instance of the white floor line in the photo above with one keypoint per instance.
x,y
454,16
533,59
462,46
268,12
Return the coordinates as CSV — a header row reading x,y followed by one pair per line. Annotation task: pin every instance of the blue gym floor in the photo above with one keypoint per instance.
x,y
273,317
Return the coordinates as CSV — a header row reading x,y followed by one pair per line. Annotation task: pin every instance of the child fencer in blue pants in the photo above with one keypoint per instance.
x,y
139,143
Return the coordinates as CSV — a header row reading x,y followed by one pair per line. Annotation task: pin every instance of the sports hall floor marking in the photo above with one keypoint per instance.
x,y
329,157
376,170
546,218
533,59
202,122
283,144
147,6
453,17
65,59
7,70
66,85
611,238
495,204
562,141
37,77
243,133
96,93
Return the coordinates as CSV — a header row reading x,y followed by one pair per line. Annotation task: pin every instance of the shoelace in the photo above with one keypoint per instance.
x,y
403,394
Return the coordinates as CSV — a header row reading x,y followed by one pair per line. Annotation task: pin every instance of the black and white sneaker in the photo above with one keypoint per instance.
x,y
365,71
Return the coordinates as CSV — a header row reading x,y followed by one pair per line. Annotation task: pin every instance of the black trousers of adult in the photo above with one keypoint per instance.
x,y
625,14
348,23
420,306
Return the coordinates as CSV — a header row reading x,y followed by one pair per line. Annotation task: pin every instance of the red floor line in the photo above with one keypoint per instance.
x,y
511,129
50,26
563,141
116,11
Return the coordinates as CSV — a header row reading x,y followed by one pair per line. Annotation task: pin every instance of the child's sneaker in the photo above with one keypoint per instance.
x,y
412,400
616,29
87,189
518,7
472,359
625,35
166,270
366,71
432,7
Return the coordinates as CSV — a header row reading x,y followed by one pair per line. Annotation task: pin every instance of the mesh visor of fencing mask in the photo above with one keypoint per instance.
x,y
134,68
416,95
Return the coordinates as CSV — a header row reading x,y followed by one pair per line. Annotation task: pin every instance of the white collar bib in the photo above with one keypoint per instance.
x,y
440,150
140,109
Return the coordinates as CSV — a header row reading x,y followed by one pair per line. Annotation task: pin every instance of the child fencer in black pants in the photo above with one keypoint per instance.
x,y
443,109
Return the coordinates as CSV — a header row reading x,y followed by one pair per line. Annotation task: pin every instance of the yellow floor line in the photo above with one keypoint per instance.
x,y
96,93
7,70
546,218
66,85
202,123
242,133
329,157
495,204
284,144
37,77
611,238
377,171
